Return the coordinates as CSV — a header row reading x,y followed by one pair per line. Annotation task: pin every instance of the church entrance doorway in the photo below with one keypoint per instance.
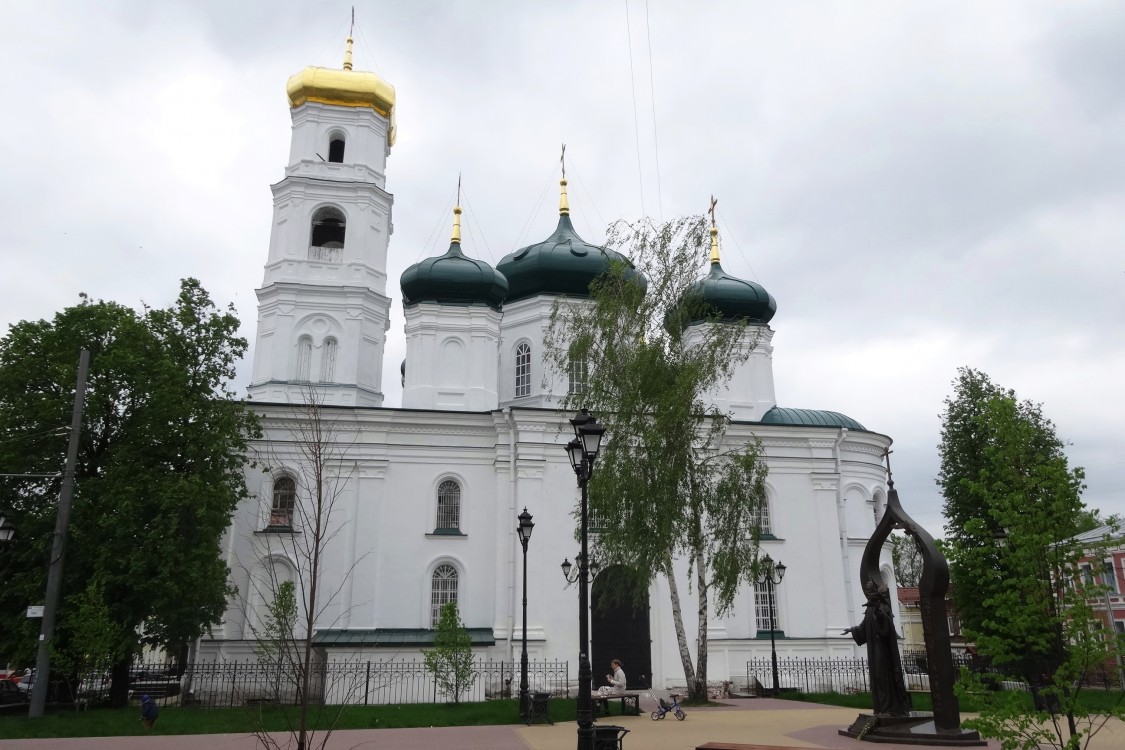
x,y
619,629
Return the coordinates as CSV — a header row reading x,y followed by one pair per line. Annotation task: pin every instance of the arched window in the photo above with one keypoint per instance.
x,y
328,364
326,237
284,498
443,590
336,149
523,370
448,507
577,376
304,359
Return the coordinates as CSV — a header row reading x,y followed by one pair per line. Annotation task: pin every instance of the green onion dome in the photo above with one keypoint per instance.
x,y
730,298
453,278
563,263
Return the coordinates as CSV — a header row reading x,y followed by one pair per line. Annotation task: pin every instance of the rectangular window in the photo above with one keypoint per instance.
x,y
1119,626
577,377
1111,577
760,518
1087,573
762,608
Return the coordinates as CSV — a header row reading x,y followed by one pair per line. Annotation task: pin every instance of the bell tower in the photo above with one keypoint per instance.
x,y
323,312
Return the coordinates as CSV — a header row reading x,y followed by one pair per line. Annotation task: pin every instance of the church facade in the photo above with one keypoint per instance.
x,y
425,496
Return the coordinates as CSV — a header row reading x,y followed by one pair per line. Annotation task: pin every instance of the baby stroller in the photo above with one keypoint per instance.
x,y
664,708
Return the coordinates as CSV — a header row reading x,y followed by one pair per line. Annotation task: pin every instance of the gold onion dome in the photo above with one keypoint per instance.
x,y
344,88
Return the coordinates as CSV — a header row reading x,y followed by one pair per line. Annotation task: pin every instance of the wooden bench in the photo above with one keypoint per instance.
x,y
630,702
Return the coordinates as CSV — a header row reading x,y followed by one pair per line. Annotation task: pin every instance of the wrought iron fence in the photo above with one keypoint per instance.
x,y
850,675
224,684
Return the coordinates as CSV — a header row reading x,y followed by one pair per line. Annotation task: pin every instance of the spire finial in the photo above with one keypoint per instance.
x,y
457,214
564,203
714,232
890,478
348,49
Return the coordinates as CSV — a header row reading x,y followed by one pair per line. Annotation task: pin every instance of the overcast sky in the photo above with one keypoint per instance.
x,y
921,186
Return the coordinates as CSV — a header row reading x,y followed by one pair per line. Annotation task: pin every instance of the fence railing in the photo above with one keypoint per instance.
x,y
851,675
225,684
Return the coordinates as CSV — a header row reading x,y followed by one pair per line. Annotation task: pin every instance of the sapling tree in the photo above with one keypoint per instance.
x,y
450,661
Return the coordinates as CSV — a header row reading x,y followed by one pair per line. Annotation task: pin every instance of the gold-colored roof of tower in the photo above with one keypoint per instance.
x,y
344,88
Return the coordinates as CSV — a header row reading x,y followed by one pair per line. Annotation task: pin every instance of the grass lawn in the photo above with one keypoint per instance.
x,y
1094,701
109,722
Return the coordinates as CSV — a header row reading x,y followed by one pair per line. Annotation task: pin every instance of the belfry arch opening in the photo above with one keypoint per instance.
x,y
328,228
336,149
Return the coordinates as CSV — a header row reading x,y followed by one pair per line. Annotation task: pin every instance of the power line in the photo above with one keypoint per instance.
x,y
655,137
636,120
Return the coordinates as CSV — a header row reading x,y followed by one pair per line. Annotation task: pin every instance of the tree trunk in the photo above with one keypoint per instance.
x,y
678,620
119,684
698,692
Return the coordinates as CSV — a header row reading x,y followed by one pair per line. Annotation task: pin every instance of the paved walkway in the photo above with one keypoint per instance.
x,y
760,721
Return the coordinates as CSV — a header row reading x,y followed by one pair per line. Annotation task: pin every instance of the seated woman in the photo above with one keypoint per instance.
x,y
616,680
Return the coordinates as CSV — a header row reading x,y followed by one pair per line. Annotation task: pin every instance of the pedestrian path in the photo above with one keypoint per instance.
x,y
761,721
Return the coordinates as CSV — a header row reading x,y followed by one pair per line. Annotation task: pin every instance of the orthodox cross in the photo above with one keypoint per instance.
x,y
562,160
711,210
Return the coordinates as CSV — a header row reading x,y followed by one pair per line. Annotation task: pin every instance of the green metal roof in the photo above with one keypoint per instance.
x,y
392,637
453,278
810,418
563,263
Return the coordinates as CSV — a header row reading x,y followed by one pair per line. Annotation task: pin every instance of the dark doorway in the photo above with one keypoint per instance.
x,y
619,629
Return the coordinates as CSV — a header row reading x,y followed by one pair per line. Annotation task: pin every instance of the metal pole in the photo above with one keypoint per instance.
x,y
1110,629
773,644
58,546
524,708
585,673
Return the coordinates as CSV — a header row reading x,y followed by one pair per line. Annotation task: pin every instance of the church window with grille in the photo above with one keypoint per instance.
x,y
443,590
449,507
284,498
328,364
523,370
577,376
760,518
762,608
304,359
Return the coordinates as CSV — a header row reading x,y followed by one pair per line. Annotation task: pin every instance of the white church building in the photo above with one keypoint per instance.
x,y
429,492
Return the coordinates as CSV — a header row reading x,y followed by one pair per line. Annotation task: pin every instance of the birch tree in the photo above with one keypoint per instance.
x,y
670,484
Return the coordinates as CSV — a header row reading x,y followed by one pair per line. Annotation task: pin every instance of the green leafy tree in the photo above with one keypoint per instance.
x,y
907,559
670,482
159,469
450,661
1013,506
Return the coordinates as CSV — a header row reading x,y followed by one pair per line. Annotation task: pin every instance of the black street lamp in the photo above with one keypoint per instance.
x,y
583,452
524,530
770,575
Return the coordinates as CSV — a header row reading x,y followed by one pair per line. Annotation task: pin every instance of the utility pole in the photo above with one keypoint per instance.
x,y
58,547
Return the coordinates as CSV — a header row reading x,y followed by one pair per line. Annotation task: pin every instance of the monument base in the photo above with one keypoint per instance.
x,y
916,729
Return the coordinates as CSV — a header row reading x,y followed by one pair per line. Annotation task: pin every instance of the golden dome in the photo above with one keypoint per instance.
x,y
344,88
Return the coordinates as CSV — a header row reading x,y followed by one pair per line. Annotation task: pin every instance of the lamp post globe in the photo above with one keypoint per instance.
x,y
524,530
